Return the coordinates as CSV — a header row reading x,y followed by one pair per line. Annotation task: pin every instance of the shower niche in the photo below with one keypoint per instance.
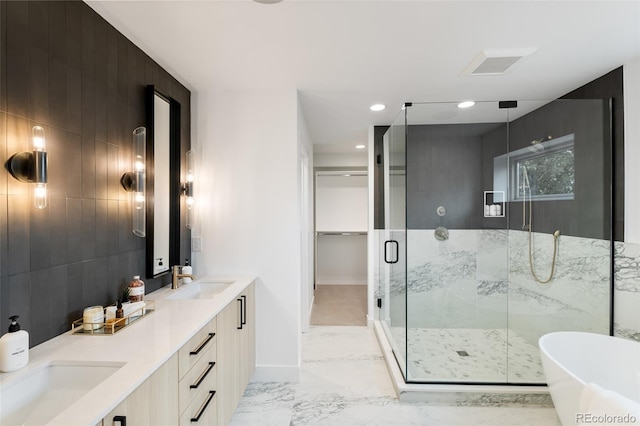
x,y
527,191
494,204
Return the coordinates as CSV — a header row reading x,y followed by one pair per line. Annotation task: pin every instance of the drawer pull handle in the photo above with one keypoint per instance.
x,y
240,323
243,320
121,419
204,407
203,376
203,344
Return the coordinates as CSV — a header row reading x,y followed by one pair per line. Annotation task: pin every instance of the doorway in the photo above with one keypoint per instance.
x,y
341,205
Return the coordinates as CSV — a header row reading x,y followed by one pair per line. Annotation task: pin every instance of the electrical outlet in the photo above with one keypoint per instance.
x,y
196,244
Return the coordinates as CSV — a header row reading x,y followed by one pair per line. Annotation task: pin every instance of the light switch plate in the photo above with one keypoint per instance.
x,y
196,243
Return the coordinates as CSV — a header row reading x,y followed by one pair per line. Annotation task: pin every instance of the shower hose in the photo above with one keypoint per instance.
x,y
556,234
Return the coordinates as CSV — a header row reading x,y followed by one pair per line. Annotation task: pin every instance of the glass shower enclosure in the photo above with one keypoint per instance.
x,y
497,230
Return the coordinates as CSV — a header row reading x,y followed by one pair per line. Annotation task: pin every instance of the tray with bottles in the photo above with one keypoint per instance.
x,y
111,325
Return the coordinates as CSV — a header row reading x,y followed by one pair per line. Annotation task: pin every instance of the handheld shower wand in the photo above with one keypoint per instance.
x,y
529,227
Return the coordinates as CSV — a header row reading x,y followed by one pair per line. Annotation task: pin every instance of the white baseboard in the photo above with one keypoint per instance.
x,y
276,373
341,280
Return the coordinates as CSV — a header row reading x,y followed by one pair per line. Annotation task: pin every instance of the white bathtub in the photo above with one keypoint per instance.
x,y
572,359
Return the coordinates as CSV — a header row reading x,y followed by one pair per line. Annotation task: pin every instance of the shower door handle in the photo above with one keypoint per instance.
x,y
386,252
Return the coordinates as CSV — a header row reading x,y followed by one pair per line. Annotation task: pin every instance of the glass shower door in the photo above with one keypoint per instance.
x,y
457,242
393,240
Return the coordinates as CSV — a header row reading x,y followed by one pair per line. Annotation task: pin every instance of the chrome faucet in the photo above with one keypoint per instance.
x,y
176,275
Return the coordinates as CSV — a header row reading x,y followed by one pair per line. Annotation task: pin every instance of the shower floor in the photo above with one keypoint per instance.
x,y
469,355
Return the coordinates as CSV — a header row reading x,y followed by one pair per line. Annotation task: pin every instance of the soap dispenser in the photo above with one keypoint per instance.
x,y
14,347
186,269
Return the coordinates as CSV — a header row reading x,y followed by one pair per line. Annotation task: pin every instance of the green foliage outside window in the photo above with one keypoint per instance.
x,y
549,174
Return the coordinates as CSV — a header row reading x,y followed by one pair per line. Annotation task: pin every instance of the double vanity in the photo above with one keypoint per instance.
x,y
188,362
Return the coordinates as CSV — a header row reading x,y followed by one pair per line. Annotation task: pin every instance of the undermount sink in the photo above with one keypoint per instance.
x,y
201,289
43,394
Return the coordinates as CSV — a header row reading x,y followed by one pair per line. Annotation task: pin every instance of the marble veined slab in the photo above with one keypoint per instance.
x,y
470,355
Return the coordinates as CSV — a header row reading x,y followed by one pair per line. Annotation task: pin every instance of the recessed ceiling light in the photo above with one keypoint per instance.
x,y
360,146
466,104
377,107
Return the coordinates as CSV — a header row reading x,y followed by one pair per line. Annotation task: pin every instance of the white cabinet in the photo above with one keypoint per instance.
x,y
203,382
247,349
153,403
197,388
236,352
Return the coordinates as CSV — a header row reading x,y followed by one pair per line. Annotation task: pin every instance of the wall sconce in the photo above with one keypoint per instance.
x,y
187,189
134,182
31,167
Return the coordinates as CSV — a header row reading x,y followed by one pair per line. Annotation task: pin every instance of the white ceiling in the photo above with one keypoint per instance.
x,y
343,56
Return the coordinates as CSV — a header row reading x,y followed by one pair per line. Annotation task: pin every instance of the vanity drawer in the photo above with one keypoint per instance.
x,y
203,410
202,376
196,347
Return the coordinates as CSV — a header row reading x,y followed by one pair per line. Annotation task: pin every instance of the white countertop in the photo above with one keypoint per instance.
x,y
142,346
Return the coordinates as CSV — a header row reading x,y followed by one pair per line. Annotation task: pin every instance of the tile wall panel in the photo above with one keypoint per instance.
x,y
65,68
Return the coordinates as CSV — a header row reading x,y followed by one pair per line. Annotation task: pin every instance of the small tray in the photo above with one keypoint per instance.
x,y
104,328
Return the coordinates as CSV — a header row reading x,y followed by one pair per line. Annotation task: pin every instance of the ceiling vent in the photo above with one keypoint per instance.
x,y
495,61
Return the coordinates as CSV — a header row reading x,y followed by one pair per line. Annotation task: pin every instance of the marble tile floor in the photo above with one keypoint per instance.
x,y
467,354
344,382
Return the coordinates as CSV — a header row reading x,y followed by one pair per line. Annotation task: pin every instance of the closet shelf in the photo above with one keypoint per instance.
x,y
342,233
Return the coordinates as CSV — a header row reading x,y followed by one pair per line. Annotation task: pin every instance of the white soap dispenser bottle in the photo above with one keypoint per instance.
x,y
186,269
14,347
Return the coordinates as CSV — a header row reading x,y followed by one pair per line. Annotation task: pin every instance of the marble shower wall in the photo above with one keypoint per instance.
x,y
457,283
482,279
473,264
627,291
577,298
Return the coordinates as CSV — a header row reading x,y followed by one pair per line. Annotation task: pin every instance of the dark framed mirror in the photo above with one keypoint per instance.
x,y
163,182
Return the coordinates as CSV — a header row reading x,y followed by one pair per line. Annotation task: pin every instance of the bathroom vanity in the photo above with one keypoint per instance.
x,y
191,358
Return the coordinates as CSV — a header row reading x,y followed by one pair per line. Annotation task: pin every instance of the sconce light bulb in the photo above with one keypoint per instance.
x,y
40,195
189,177
38,144
139,166
139,199
189,201
37,138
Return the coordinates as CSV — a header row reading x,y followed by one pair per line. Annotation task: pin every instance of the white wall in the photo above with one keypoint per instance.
x,y
341,259
341,203
631,74
306,158
341,206
248,211
373,240
358,159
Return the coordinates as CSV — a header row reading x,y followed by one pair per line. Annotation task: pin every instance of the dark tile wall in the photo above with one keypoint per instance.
x,y
599,207
588,215
611,86
378,176
65,68
444,168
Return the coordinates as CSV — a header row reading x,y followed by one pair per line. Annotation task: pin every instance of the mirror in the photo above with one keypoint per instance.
x,y
163,182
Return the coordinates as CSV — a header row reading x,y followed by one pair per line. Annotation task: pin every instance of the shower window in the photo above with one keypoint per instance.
x,y
544,170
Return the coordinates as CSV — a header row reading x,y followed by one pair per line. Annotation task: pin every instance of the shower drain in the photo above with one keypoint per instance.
x,y
462,353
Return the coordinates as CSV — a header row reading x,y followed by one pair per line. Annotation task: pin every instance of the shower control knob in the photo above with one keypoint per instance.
x,y
441,210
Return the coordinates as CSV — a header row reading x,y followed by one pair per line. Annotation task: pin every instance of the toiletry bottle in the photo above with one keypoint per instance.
x,y
119,310
14,347
186,269
136,289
